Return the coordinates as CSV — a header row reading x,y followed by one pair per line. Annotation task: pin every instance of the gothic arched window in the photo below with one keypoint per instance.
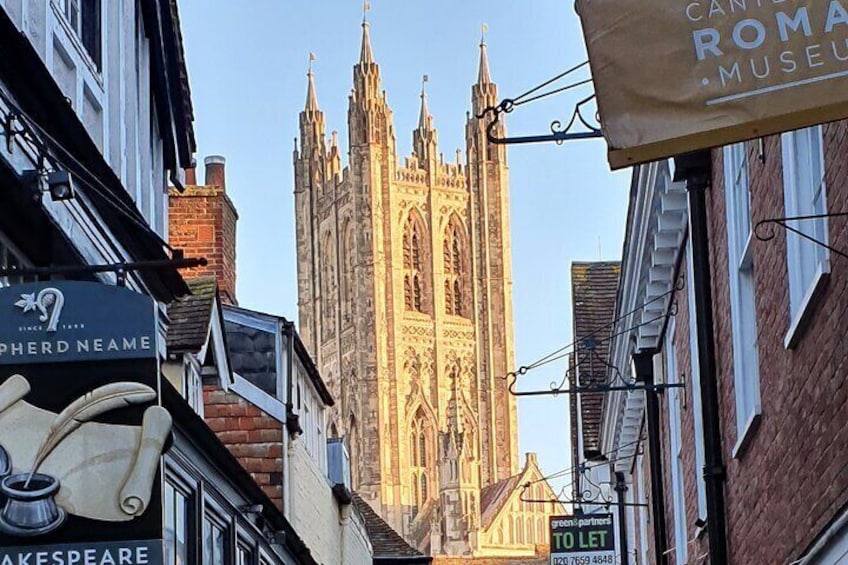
x,y
347,271
414,264
419,457
456,270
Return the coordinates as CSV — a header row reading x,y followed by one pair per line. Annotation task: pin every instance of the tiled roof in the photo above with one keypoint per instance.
x,y
494,496
594,287
385,541
191,315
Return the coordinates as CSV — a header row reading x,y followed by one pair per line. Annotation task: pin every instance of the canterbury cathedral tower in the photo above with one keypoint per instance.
x,y
404,295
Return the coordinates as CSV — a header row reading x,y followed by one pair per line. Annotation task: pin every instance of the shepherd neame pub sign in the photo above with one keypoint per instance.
x,y
673,76
81,426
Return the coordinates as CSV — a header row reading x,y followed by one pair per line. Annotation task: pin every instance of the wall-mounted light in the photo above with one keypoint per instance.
x,y
61,185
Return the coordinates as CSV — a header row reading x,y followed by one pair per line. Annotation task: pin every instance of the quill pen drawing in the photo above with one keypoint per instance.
x,y
90,405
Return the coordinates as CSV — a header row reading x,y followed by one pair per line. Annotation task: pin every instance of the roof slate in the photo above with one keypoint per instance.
x,y
191,315
384,540
594,288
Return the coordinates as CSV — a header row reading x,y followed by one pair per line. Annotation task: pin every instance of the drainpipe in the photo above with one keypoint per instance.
x,y
643,365
621,491
695,169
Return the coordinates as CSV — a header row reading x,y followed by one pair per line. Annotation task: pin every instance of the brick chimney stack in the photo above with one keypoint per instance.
x,y
202,222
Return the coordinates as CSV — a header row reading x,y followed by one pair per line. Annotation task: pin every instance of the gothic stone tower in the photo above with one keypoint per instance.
x,y
404,285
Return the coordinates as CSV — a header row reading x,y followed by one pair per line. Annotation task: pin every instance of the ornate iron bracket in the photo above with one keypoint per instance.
x,y
782,222
585,497
559,134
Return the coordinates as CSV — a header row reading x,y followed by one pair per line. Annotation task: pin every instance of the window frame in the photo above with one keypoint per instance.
x,y
804,295
188,488
90,48
741,286
215,513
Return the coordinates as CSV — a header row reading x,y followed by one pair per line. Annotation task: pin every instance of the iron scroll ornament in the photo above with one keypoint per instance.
x,y
559,134
589,344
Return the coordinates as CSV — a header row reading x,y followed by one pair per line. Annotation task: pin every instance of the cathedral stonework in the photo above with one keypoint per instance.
x,y
404,297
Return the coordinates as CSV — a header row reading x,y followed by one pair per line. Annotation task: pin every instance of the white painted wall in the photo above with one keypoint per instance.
x,y
335,533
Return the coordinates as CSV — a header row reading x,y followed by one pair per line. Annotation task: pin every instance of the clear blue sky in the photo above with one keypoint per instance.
x,y
247,64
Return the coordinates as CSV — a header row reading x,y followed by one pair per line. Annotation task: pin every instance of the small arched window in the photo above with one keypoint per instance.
x,y
456,270
419,457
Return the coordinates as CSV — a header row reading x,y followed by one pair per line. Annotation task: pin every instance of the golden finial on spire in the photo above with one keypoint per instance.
x,y
484,28
366,7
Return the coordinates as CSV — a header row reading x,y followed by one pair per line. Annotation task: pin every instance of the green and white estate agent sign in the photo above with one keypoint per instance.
x,y
582,539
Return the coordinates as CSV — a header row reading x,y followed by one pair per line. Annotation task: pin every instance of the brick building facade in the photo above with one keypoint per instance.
x,y
775,345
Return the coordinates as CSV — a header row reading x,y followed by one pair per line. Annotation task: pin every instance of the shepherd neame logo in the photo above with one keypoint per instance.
x,y
752,42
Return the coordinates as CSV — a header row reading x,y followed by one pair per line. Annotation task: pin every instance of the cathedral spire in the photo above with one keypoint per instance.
x,y
311,98
366,56
424,118
483,76
424,140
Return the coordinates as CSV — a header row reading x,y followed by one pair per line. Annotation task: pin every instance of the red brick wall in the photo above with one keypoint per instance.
x,y
793,477
202,221
251,435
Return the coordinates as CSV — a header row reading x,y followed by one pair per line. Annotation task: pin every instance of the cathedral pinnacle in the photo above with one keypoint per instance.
x,y
483,77
365,55
424,118
311,98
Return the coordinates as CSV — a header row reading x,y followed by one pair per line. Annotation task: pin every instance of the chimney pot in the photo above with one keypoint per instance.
x,y
191,177
215,170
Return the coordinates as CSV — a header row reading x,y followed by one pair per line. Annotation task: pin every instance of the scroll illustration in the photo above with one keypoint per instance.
x,y
66,464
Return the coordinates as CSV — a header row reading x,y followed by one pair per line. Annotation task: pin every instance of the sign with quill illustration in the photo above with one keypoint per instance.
x,y
81,428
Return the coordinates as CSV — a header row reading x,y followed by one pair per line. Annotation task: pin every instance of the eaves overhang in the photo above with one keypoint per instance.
x,y
654,238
